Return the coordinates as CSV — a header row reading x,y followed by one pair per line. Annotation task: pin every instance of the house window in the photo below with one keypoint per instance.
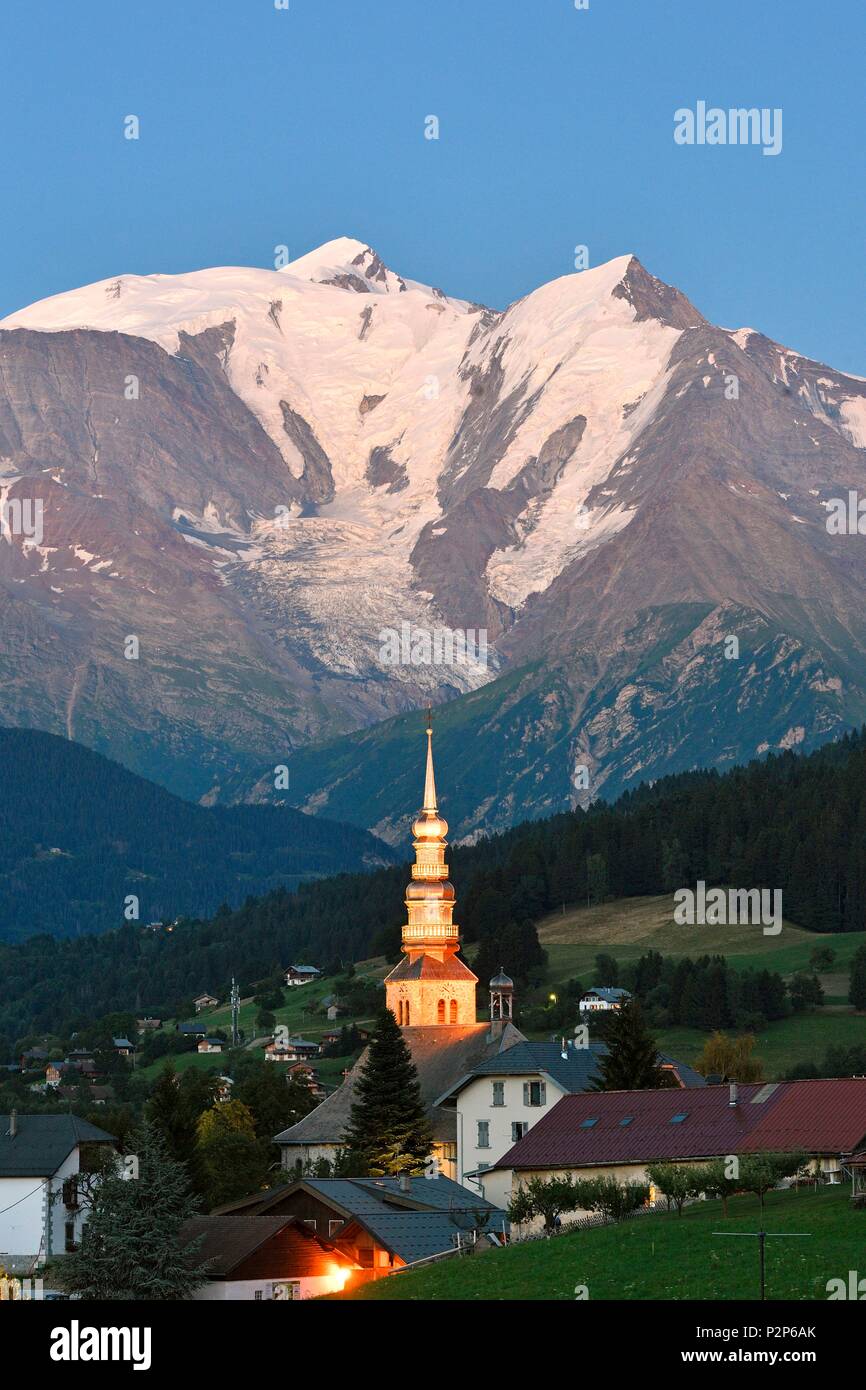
x,y
483,1134
518,1129
311,1222
258,1295
678,1119
482,1167
364,1255
334,1226
440,1011
69,1242
499,1093
534,1093
452,1011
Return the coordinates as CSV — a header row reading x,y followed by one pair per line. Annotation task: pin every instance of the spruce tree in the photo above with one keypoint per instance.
x,y
129,1245
631,1063
388,1131
857,986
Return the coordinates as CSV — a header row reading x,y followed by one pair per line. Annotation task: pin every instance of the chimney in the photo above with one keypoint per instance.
x,y
733,1099
13,1124
405,1182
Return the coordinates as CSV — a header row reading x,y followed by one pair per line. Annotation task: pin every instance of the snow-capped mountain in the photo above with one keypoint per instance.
x,y
257,473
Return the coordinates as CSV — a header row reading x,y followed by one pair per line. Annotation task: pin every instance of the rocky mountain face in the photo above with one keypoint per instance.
x,y
299,489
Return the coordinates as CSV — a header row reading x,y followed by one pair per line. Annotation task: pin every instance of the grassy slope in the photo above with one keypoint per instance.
x,y
296,1014
660,1257
628,928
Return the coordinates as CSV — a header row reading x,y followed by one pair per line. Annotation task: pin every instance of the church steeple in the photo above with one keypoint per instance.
x,y
430,780
430,986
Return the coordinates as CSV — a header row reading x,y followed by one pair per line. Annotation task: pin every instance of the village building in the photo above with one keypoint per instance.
x,y
191,1030
502,1098
204,1001
431,993
264,1258
601,1000
383,1224
148,1025
619,1133
40,1157
291,1050
210,1045
302,974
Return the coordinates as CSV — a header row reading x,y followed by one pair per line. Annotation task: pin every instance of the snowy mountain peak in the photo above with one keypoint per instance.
x,y
349,265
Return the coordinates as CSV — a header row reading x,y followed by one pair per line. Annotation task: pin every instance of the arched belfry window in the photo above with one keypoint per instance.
x,y
400,1012
440,1011
452,1011
406,1013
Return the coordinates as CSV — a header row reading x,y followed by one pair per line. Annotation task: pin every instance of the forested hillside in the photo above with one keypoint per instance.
x,y
79,834
795,823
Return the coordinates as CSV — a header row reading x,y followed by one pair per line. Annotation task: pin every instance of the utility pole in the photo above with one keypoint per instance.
x,y
762,1237
236,1008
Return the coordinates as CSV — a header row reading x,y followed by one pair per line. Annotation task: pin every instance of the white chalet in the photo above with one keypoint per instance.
x,y
40,1213
598,1000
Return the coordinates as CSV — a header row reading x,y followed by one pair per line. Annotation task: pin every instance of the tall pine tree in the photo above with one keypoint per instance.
x,y
129,1246
857,987
631,1063
389,1131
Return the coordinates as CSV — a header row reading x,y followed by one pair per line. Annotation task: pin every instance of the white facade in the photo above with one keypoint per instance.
x,y
270,1290
33,1219
594,1002
493,1113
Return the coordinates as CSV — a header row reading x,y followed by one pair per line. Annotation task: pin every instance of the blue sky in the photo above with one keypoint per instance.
x,y
262,127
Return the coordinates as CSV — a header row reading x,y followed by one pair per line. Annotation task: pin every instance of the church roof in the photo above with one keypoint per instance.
x,y
442,1055
429,968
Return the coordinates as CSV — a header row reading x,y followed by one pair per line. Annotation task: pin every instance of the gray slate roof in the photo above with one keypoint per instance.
x,y
408,1232
415,1235
573,1074
441,1054
43,1142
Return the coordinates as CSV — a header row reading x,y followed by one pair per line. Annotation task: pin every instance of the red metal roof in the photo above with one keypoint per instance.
x,y
817,1116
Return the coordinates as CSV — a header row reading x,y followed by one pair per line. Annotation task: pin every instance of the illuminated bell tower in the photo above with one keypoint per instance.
x,y
430,987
